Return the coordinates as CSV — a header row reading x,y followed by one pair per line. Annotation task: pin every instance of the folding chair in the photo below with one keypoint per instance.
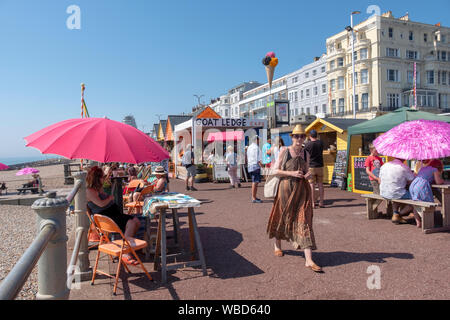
x,y
139,203
94,231
131,187
116,248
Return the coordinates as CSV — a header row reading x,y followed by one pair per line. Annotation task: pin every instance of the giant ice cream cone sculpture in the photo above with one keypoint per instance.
x,y
270,62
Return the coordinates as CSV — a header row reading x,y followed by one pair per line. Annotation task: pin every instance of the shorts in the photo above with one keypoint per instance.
x,y
375,186
316,175
406,196
256,176
191,171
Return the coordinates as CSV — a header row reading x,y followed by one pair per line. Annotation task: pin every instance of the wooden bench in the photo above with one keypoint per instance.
x,y
24,190
425,210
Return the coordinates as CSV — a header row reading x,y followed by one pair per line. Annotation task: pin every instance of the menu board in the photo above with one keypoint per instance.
x,y
361,182
340,170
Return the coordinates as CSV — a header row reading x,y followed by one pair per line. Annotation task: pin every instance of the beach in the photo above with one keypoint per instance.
x,y
18,224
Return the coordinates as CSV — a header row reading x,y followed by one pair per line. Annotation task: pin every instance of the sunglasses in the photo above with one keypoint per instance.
x,y
299,136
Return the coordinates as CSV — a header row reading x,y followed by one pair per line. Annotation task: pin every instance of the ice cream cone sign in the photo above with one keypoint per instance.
x,y
270,62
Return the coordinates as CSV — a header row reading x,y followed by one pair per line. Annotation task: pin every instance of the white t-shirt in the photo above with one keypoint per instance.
x,y
253,157
394,176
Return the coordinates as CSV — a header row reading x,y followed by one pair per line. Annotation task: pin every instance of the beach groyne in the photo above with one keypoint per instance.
x,y
40,163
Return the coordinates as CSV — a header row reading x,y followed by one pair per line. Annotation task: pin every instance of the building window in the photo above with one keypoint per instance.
x,y
316,109
333,84
365,101
411,36
323,69
341,105
411,55
356,103
425,37
324,88
363,53
430,77
393,100
341,83
444,77
392,52
332,65
391,32
314,72
444,55
355,55
301,95
307,93
333,106
443,100
364,76
316,91
324,108
307,75
340,62
308,111
295,96
356,78
443,38
410,77
392,75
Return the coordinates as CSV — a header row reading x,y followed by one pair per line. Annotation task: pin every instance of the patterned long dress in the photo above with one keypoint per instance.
x,y
291,217
420,188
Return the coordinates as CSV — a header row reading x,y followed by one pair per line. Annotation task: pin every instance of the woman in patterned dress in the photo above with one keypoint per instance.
x,y
420,188
292,212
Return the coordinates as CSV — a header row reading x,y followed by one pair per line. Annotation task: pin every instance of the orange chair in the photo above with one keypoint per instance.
x,y
139,203
130,187
116,248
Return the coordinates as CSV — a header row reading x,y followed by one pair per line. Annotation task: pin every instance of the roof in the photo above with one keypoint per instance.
x,y
338,124
163,124
177,119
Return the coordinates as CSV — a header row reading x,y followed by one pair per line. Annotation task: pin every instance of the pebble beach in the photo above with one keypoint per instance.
x,y
18,224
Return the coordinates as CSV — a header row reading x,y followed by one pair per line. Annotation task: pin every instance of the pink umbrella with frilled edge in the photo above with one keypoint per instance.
x,y
3,167
97,139
26,171
416,140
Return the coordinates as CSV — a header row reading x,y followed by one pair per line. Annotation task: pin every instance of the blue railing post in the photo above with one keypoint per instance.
x,y
52,265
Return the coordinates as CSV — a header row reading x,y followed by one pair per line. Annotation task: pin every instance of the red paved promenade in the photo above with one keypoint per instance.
x,y
241,263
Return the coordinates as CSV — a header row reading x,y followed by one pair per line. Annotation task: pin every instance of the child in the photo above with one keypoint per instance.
x,y
373,165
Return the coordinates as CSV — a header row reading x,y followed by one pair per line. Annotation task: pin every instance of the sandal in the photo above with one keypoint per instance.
x,y
279,253
315,268
129,260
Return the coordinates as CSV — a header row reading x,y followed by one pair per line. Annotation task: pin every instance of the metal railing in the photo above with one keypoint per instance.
x,y
49,248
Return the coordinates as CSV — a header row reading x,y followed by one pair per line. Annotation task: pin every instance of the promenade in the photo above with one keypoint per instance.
x,y
241,263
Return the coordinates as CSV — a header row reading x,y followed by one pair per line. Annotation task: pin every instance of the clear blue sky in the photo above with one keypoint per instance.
x,y
150,57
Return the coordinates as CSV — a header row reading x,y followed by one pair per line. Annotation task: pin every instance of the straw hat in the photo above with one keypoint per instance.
x,y
159,170
298,130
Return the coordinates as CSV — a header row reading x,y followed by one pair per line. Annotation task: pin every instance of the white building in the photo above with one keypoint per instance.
x,y
307,89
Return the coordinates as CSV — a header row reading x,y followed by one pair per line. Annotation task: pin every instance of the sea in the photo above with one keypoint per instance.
x,y
15,160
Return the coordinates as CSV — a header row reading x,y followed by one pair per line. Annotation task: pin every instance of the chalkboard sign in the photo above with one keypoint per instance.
x,y
339,177
361,182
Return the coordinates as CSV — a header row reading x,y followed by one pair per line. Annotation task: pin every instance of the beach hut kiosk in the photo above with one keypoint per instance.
x,y
368,131
333,133
161,135
198,129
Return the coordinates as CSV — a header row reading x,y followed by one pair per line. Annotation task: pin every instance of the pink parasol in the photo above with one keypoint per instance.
x,y
418,140
26,171
3,167
97,139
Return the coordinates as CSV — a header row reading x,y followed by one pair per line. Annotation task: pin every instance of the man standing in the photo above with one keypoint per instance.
x,y
394,176
191,170
373,164
314,147
254,166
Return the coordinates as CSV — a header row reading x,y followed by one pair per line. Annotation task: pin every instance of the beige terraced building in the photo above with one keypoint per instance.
x,y
385,50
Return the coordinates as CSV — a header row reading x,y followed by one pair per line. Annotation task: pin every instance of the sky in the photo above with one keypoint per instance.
x,y
149,58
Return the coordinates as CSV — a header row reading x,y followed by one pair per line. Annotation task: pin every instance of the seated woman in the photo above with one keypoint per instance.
x,y
161,180
420,189
101,203
3,187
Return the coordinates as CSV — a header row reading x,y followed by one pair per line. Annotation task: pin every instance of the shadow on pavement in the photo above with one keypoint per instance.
x,y
337,258
218,245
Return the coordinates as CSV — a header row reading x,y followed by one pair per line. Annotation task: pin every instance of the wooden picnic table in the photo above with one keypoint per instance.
x,y
445,188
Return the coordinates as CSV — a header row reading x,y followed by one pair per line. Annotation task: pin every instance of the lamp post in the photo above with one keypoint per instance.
x,y
198,98
353,61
